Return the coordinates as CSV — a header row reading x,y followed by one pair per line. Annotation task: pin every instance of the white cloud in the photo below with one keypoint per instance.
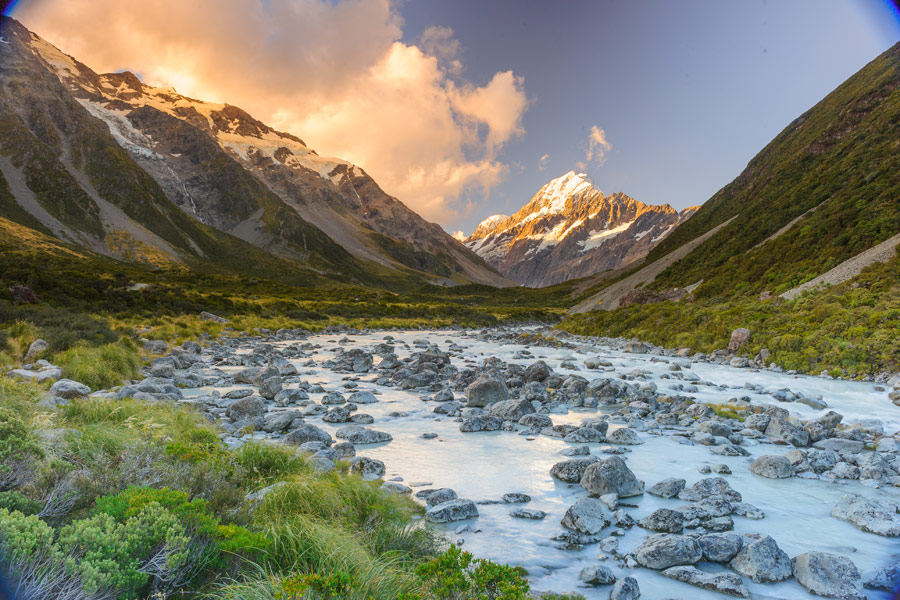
x,y
597,148
542,162
335,73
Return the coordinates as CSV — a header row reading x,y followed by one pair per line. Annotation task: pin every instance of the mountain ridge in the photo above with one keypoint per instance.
x,y
570,229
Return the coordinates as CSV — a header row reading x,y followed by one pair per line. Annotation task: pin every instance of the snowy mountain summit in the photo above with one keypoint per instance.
x,y
569,229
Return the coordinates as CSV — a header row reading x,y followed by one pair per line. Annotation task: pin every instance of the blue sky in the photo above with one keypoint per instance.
x,y
687,92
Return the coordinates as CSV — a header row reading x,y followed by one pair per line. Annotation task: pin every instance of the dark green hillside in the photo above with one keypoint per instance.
x,y
842,156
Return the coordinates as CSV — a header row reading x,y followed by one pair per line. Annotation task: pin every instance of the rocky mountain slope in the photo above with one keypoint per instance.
x,y
569,229
137,172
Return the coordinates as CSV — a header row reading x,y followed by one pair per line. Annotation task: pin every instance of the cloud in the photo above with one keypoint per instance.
x,y
542,162
597,148
460,235
335,73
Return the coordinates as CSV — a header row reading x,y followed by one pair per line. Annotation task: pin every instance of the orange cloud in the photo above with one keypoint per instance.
x,y
334,73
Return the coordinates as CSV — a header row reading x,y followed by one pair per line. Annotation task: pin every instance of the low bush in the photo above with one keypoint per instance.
x,y
100,366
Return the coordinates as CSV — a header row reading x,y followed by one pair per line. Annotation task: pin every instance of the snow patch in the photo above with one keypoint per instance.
x,y
596,238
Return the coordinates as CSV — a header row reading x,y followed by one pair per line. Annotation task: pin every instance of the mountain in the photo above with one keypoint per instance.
x,y
818,204
569,229
142,173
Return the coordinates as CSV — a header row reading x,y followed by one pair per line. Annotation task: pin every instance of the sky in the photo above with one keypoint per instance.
x,y
465,108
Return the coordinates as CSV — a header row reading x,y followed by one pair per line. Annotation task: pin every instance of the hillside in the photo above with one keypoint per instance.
x,y
142,173
835,169
570,229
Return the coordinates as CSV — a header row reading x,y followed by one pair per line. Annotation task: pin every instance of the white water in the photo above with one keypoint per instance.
x,y
483,466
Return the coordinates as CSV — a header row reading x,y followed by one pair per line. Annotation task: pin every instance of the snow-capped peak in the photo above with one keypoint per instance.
x,y
557,191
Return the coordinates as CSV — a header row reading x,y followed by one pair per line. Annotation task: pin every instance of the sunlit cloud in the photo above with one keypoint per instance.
x,y
597,149
543,161
334,73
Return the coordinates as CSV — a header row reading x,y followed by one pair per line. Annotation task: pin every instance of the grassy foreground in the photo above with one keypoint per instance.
x,y
125,499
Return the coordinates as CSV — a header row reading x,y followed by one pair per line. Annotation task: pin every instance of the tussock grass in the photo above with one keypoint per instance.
x,y
101,366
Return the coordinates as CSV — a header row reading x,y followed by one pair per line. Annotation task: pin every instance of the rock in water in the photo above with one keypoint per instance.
x,y
663,520
667,488
486,390
625,589
665,550
357,434
720,547
724,583
595,575
611,475
772,467
452,510
867,515
588,516
571,471
828,575
763,561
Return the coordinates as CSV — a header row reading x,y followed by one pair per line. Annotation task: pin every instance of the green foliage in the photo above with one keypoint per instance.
x,y
111,554
18,449
22,536
265,463
457,575
15,501
102,366
313,586
852,328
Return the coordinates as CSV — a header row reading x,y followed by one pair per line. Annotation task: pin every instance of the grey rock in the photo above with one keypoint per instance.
x,y
480,423
625,589
588,516
828,575
357,434
720,547
611,475
663,520
667,488
208,316
452,510
307,433
510,410
367,468
762,561
868,515
486,390
68,389
664,550
625,436
886,578
571,471
772,467
438,496
839,445
246,408
594,575
724,583
36,348
362,397
528,513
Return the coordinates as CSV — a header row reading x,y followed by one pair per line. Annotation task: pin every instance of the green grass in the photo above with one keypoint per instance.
x,y
100,366
852,329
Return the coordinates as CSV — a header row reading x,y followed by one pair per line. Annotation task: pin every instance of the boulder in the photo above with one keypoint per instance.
x,y
667,488
510,410
537,371
611,475
307,433
625,436
36,348
357,434
868,515
362,397
367,468
772,467
762,561
724,583
664,550
208,316
720,547
453,510
438,496
480,423
588,516
739,337
571,471
246,408
663,520
486,390
828,575
68,389
594,575
625,589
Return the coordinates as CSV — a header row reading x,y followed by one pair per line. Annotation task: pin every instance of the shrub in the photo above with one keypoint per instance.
x,y
19,452
22,536
18,337
14,501
267,463
458,575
